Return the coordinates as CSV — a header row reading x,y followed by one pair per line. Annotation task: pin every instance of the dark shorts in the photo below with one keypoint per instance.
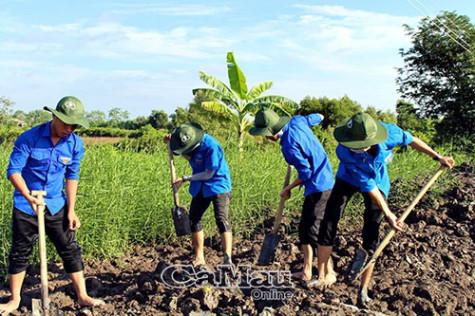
x,y
25,234
200,204
313,211
341,194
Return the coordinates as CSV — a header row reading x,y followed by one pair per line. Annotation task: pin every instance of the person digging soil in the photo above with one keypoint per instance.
x,y
365,150
210,182
302,150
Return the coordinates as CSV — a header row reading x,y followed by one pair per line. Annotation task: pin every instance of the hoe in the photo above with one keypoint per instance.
x,y
358,269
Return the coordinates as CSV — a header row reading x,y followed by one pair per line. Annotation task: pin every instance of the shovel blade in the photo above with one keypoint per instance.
x,y
181,221
268,249
38,308
51,310
360,260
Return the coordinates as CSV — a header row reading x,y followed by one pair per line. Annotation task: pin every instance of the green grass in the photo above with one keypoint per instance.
x,y
125,196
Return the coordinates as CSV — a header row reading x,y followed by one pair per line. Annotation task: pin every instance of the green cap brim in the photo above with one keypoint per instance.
x,y
260,131
280,125
71,120
342,138
270,131
175,144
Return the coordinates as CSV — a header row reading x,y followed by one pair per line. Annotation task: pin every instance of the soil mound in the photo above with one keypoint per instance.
x,y
427,270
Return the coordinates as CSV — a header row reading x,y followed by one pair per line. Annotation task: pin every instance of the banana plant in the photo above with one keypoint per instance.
x,y
236,103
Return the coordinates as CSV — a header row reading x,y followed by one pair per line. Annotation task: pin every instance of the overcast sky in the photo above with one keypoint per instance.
x,y
146,55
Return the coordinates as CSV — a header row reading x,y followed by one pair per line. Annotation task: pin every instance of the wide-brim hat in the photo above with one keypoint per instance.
x,y
186,138
70,111
360,131
268,123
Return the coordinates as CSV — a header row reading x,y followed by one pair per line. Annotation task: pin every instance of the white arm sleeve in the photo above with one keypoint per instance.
x,y
202,176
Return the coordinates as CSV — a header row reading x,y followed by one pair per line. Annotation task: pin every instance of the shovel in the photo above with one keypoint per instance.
x,y
41,307
390,235
179,213
272,240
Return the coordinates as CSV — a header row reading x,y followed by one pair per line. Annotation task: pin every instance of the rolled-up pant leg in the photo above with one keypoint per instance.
x,y
313,211
221,210
199,205
24,236
373,216
340,195
64,240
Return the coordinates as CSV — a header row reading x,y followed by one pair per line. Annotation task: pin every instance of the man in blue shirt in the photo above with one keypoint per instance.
x,y
42,159
302,149
365,150
209,182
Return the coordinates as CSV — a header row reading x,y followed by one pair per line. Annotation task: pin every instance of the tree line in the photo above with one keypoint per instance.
x,y
334,110
436,84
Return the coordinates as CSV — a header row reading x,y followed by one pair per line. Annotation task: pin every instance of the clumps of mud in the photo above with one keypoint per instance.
x,y
427,270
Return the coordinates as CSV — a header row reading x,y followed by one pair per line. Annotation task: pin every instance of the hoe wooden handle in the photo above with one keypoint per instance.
x,y
42,247
280,210
173,176
408,210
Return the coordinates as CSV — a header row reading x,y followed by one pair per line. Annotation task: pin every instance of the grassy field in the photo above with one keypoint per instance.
x,y
125,197
100,140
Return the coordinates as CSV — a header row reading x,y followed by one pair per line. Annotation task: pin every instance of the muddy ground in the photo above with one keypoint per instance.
x,y
428,270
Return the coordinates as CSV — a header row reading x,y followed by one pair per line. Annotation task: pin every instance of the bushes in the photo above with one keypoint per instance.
x,y
108,132
10,134
325,136
334,110
150,140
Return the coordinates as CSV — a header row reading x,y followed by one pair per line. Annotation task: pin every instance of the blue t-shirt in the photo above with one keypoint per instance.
x,y
302,149
44,166
209,155
366,171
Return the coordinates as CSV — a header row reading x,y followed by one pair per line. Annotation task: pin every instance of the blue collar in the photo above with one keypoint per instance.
x,y
283,138
47,130
47,133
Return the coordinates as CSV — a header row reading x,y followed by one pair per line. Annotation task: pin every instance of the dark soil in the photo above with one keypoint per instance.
x,y
427,270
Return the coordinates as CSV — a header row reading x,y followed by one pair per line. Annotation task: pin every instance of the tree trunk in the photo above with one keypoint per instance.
x,y
241,140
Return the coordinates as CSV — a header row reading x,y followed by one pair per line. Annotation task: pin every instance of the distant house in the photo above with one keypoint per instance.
x,y
19,123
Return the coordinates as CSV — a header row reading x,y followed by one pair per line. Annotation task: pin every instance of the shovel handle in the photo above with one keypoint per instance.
x,y
280,210
173,176
404,215
42,247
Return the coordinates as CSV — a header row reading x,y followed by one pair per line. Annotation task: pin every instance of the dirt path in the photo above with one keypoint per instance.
x,y
429,270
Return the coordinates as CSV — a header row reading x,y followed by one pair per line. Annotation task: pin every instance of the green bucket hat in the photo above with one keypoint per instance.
x,y
360,131
70,111
268,123
185,138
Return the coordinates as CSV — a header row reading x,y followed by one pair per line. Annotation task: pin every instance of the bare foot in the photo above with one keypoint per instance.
x,y
89,301
302,275
199,262
9,307
315,284
363,298
330,279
